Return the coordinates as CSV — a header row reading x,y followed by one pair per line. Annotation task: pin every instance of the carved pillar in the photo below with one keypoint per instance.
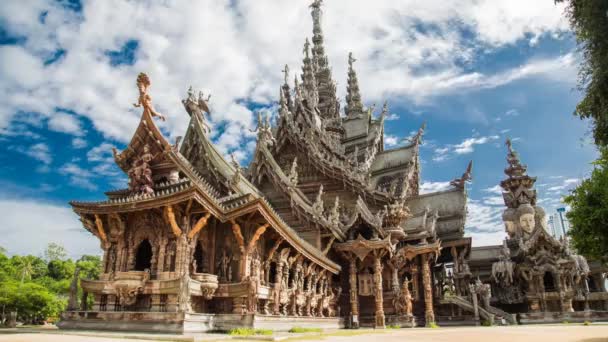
x,y
354,299
121,255
160,264
395,279
475,303
415,275
428,289
278,279
378,293
267,273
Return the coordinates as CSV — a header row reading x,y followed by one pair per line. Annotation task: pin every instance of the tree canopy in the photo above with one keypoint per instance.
x,y
38,289
588,215
589,21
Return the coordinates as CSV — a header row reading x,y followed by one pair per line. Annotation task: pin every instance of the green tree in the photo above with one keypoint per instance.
x,y
588,215
55,251
61,269
589,21
90,266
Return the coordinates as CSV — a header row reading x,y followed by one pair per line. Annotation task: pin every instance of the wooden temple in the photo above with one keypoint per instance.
x,y
325,227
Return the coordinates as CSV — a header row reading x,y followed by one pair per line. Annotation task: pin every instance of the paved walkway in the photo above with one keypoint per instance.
x,y
536,333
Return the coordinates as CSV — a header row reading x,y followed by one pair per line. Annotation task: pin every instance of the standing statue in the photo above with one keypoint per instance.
x,y
73,299
144,100
403,301
140,174
224,268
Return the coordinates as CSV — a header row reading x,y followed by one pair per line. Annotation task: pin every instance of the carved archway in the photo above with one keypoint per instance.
x,y
143,256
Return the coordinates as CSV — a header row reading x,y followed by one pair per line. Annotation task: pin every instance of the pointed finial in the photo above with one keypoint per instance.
x,y
509,145
384,110
351,60
306,50
286,73
417,139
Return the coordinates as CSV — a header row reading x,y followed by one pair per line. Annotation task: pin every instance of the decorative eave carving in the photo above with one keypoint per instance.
x,y
361,247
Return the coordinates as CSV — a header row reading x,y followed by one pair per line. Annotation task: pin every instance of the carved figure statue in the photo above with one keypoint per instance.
x,y
317,207
224,268
508,217
403,300
73,299
293,172
193,266
466,177
526,220
144,100
502,270
140,174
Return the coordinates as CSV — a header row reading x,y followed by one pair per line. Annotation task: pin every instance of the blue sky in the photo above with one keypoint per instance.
x,y
475,72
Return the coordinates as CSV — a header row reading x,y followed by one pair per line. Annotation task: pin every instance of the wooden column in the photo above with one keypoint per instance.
x,y
354,300
428,289
415,281
160,264
378,293
475,303
395,279
277,288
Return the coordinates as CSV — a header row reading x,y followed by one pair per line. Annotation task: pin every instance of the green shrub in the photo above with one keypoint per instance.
x,y
486,323
248,332
432,325
586,323
393,326
565,322
305,330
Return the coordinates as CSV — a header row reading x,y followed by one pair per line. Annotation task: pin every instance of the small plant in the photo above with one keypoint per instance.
x,y
565,322
249,332
486,323
305,330
393,326
586,323
432,325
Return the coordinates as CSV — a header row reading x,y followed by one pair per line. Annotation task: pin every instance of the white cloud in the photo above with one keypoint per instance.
x,y
22,220
429,187
392,117
66,123
390,140
41,152
79,143
78,176
465,147
484,223
178,46
496,189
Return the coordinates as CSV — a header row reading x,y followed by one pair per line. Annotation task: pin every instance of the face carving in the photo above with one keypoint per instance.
x,y
526,222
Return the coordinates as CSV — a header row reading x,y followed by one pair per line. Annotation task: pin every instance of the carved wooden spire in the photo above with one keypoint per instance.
x,y
308,77
328,102
518,186
286,92
353,96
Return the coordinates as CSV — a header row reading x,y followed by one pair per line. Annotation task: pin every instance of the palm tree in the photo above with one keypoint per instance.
x,y
26,268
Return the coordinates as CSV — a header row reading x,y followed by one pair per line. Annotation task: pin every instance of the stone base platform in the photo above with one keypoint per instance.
x,y
401,320
180,323
560,317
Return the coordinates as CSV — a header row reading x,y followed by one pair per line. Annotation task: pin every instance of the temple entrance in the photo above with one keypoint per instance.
x,y
198,259
143,256
548,282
